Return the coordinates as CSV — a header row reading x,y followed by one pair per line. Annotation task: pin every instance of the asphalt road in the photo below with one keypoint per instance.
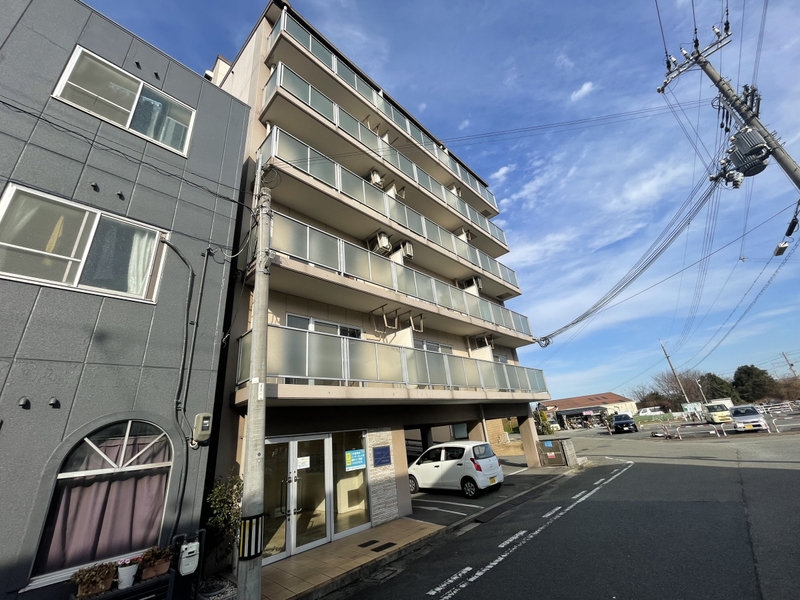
x,y
651,519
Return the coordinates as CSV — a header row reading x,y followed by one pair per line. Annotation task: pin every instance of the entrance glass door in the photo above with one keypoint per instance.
x,y
298,476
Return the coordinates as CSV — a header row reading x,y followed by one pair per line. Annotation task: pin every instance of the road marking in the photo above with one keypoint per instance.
x,y
599,481
520,471
445,502
579,494
551,513
442,510
614,471
467,528
449,580
479,573
517,535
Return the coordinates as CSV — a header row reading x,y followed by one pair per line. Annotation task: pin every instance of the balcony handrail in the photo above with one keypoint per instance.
x,y
310,355
382,149
376,99
302,241
346,182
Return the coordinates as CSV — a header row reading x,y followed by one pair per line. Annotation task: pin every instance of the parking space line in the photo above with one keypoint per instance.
x,y
551,513
445,502
442,510
520,471
579,494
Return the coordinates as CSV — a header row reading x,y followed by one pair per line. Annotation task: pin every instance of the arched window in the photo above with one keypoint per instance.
x,y
109,497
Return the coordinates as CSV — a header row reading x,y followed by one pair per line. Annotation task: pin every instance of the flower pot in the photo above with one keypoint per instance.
x,y
157,568
126,573
89,590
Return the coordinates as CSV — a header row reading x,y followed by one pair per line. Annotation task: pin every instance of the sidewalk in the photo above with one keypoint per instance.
x,y
318,572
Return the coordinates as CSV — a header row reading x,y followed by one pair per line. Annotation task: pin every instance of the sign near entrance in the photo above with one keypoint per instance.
x,y
303,462
381,456
588,412
548,444
355,459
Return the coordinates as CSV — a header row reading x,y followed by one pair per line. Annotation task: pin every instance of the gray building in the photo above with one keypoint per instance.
x,y
119,171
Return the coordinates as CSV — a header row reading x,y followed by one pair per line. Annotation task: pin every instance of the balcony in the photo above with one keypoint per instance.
x,y
313,58
341,369
351,276
295,155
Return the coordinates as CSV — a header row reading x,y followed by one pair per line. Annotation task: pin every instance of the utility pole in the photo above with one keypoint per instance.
x,y
251,535
744,109
791,366
680,385
702,393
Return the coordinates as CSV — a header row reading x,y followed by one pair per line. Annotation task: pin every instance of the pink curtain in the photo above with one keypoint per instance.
x,y
100,516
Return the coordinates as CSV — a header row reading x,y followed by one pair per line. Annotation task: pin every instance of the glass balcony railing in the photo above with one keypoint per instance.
x,y
287,79
296,354
300,155
312,245
374,97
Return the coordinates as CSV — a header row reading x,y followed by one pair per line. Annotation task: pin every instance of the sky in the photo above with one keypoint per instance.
x,y
581,204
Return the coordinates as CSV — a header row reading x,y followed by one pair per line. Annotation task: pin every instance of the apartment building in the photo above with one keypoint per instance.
x,y
386,296
119,176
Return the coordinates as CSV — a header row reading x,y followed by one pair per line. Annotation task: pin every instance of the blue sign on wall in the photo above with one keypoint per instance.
x,y
548,444
355,459
381,456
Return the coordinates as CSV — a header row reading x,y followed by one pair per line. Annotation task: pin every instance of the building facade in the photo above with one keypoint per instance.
x,y
386,299
119,176
584,411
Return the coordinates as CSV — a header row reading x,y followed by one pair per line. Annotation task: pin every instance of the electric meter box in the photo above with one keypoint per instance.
x,y
190,558
202,428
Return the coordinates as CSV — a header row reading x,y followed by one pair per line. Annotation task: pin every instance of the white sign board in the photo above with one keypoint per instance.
x,y
303,462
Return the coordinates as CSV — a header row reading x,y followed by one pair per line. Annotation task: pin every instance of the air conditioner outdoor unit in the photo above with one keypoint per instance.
x,y
407,249
380,243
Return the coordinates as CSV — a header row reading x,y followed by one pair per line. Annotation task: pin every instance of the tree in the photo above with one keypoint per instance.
x,y
716,387
787,389
753,383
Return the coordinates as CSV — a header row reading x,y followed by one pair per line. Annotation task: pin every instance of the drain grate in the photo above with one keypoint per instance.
x,y
383,547
368,544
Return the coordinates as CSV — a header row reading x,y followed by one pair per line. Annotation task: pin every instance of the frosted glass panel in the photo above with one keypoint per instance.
x,y
424,287
390,366
457,375
292,151
414,221
472,305
513,379
432,231
363,364
417,368
356,261
473,376
486,311
369,139
325,356
348,123
397,211
321,104
447,240
298,32
497,314
381,271
443,294
286,352
488,374
322,168
500,372
406,166
289,236
405,281
374,198
323,249
322,53
436,371
295,84
459,303
352,185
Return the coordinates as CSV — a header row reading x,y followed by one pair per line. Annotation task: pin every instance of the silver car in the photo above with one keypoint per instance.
x,y
747,418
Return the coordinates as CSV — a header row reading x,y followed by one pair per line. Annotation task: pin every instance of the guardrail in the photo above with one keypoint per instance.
x,y
778,408
775,425
679,427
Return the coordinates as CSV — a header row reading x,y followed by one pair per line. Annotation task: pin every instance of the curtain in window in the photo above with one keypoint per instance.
x,y
94,517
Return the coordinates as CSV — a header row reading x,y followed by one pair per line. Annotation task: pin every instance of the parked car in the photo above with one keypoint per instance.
x,y
468,466
717,413
651,410
623,422
747,418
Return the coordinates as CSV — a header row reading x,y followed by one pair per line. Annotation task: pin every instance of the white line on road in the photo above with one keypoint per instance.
x,y
445,502
614,471
599,481
517,535
579,494
442,510
515,472
449,580
551,513
528,538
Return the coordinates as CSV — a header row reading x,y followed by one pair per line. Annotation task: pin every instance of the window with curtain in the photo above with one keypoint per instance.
x,y
97,86
53,240
109,497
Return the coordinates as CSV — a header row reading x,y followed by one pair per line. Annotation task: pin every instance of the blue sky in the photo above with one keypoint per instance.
x,y
579,205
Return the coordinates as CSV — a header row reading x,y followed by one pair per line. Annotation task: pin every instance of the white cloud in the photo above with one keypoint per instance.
x,y
463,125
500,175
584,90
563,61
422,106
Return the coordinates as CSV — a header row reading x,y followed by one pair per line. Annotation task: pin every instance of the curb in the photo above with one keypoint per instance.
x,y
446,531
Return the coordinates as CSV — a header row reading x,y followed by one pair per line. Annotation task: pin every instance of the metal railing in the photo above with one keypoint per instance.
x,y
307,243
297,354
312,44
300,155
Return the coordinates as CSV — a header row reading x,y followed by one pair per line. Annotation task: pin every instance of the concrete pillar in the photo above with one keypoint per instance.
x,y
527,429
427,437
475,431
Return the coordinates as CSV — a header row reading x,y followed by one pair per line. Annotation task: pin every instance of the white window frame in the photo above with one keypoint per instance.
x,y
438,345
155,269
79,50
313,321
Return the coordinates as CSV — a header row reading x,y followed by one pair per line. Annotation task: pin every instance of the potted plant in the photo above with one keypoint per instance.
x,y
155,561
94,579
126,571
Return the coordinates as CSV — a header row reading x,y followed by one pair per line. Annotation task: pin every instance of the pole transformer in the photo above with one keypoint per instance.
x,y
251,535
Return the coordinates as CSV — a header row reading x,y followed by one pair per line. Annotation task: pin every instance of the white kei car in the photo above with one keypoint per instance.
x,y
468,466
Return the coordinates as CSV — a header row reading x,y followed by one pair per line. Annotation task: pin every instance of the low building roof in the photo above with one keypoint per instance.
x,y
591,401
